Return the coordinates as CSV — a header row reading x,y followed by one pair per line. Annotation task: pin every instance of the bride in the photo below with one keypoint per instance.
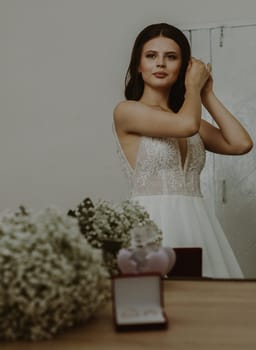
x,y
162,140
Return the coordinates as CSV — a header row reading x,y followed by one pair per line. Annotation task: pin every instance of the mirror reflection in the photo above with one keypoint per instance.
x,y
162,141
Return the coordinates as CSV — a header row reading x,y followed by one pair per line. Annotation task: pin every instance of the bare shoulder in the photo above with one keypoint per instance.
x,y
127,113
125,104
127,108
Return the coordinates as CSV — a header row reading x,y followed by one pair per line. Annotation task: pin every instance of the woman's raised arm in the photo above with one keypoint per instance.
x,y
230,137
138,118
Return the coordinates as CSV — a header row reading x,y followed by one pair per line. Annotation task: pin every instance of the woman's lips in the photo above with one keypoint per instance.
x,y
160,75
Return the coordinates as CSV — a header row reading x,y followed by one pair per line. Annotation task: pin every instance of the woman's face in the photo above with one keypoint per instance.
x,y
160,62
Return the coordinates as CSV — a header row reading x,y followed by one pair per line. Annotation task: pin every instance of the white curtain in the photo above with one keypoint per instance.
x,y
229,182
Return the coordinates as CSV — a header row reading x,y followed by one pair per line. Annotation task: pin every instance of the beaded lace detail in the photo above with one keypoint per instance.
x,y
159,169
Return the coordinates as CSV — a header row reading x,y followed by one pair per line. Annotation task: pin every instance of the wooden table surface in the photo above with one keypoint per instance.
x,y
204,314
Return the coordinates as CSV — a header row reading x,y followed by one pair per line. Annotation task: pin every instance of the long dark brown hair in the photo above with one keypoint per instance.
x,y
134,84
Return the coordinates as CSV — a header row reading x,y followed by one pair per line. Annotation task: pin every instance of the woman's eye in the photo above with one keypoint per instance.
x,y
171,57
150,55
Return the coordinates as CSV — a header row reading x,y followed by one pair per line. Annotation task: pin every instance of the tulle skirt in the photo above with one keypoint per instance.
x,y
188,221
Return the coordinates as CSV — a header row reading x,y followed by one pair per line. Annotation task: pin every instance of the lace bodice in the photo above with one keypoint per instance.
x,y
159,170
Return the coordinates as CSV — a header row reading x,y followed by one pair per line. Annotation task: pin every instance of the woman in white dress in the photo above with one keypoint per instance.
x,y
162,140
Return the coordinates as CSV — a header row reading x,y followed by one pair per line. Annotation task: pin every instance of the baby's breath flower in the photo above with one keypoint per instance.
x,y
51,277
107,222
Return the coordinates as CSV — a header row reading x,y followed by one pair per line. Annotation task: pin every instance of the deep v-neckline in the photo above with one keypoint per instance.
x,y
183,153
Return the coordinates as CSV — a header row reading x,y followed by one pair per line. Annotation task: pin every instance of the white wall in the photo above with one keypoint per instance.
x,y
62,71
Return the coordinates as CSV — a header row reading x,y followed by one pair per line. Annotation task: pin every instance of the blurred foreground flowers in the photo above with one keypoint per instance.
x,y
51,277
55,268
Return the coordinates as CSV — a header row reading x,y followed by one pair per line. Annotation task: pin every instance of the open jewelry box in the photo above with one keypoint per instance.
x,y
138,302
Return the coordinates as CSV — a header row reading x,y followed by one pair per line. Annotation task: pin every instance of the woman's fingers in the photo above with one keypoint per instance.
x,y
198,72
208,66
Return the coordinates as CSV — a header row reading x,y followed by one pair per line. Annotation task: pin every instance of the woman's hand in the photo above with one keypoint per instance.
x,y
197,74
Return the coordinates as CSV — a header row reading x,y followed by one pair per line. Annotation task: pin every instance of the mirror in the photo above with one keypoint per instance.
x,y
63,67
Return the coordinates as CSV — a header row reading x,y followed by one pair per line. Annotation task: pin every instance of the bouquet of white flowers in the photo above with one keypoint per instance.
x,y
107,226
51,277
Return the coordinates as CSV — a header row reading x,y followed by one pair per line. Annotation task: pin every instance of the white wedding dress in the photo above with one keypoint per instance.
x,y
171,194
